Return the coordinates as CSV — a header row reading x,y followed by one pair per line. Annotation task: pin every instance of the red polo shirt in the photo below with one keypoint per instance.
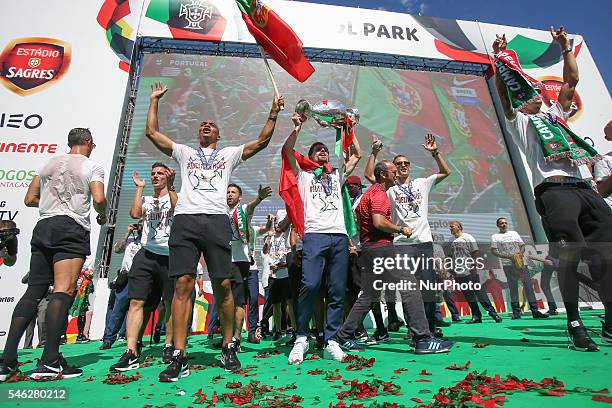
x,y
373,201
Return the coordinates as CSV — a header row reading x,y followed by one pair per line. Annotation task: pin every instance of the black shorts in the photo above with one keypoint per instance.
x,y
240,271
148,279
280,290
195,234
55,239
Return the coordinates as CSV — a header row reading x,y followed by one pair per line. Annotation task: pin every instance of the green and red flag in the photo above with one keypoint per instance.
x,y
388,98
276,38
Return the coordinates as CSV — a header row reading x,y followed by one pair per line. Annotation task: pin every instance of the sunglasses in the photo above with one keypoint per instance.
x,y
402,163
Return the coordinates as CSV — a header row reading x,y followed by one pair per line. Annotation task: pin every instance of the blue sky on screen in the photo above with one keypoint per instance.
x,y
589,19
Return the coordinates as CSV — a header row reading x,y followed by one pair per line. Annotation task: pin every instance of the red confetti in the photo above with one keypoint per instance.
x,y
481,345
399,370
424,372
114,379
602,398
460,368
422,380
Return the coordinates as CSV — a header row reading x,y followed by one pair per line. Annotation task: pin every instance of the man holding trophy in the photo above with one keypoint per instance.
x,y
311,189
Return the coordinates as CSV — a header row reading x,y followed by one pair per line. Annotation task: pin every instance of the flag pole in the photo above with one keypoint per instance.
x,y
263,55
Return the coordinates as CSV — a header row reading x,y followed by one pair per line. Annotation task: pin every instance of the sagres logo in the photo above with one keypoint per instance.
x,y
28,65
550,93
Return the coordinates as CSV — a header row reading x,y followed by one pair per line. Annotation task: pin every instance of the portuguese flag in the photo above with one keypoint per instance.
x,y
387,98
276,38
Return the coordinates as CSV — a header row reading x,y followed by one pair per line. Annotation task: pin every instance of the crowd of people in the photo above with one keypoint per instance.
x,y
321,256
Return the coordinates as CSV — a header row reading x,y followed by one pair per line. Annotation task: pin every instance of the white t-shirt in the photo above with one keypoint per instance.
x,y
322,213
64,187
132,246
265,270
157,219
204,185
409,207
461,250
528,141
240,250
602,170
277,255
507,243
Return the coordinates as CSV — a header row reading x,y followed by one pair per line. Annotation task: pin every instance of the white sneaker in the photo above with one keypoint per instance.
x,y
299,349
333,351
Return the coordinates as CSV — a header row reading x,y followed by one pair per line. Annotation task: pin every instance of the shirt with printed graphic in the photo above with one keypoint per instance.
x,y
322,197
409,208
157,219
205,174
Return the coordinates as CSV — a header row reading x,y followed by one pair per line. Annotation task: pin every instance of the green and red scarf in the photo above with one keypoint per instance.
x,y
556,139
242,224
289,192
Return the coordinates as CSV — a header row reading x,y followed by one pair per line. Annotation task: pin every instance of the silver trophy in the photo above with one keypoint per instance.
x,y
328,113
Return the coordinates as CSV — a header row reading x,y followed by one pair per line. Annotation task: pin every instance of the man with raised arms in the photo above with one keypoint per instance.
x,y
201,224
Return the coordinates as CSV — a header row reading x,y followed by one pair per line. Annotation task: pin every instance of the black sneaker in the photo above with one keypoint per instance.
x,y
433,346
63,339
277,336
350,345
105,346
456,319
538,315
82,339
167,353
128,361
8,370
474,320
69,371
177,369
606,335
497,318
59,366
378,337
517,315
229,358
253,338
361,334
579,337
552,312
442,323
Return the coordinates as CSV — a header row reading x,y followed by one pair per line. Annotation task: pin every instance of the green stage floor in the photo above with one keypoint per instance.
x,y
527,348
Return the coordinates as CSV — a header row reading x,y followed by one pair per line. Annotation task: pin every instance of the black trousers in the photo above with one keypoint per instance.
x,y
574,216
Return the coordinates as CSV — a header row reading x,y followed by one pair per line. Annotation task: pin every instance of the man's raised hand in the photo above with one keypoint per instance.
x,y
158,90
278,104
264,192
560,36
430,143
500,43
138,182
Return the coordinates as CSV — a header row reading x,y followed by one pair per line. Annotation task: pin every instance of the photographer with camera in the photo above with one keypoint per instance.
x,y
8,242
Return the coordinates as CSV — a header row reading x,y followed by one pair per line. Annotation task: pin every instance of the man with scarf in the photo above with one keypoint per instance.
x,y
315,203
242,245
573,214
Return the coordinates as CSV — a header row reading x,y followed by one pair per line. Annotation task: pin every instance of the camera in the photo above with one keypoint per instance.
x,y
7,235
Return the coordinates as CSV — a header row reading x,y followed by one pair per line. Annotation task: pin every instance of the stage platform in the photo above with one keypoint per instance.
x,y
528,349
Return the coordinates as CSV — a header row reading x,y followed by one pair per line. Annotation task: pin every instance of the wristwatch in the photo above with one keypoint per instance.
x,y
435,153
